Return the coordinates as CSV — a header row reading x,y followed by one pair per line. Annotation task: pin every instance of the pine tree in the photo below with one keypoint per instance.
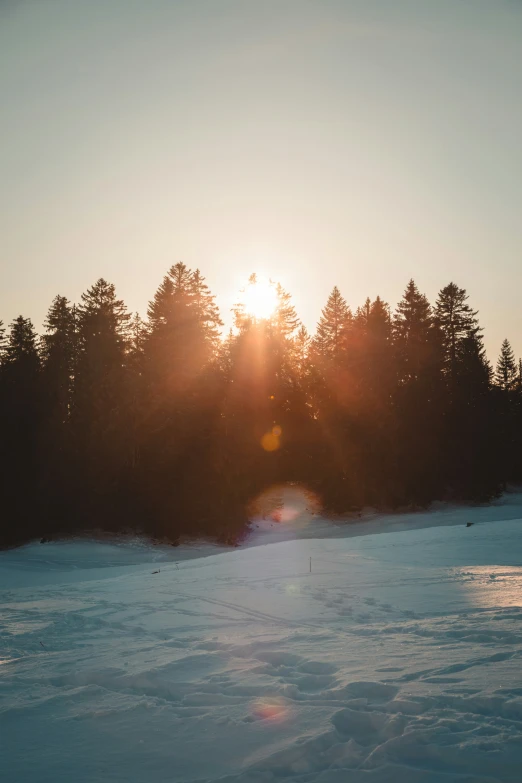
x,y
137,334
103,320
181,277
506,370
20,422
103,342
158,310
378,322
362,315
59,352
285,319
333,323
205,309
473,368
183,330
472,461
456,321
100,420
412,325
22,348
301,348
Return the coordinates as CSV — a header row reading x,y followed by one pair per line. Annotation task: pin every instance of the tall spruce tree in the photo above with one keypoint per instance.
x,y
285,319
100,402
158,311
418,397
506,370
183,329
457,321
179,408
333,323
20,425
22,348
59,352
137,338
206,311
412,324
103,340
471,435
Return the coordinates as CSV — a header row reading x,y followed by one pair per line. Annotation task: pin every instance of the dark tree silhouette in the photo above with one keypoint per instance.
x,y
456,321
165,427
331,329
412,325
507,370
20,425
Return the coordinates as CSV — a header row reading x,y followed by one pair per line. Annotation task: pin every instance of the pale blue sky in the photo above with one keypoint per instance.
x,y
322,142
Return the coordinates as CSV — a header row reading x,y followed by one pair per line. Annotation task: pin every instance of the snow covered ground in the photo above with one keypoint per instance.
x,y
396,660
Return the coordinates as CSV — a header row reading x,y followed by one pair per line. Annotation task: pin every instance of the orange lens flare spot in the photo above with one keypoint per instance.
x,y
277,431
269,709
270,442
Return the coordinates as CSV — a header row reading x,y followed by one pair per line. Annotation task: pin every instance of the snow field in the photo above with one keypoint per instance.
x,y
397,659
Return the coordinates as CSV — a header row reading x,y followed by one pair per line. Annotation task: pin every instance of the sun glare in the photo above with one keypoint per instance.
x,y
260,298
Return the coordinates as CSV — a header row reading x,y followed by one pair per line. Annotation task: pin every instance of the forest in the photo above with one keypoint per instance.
x,y
166,426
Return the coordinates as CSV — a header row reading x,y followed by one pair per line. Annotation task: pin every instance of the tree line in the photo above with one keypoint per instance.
x,y
164,426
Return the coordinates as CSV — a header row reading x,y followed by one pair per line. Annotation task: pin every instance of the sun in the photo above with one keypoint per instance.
x,y
260,298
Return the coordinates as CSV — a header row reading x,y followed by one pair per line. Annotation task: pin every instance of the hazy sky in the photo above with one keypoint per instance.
x,y
321,142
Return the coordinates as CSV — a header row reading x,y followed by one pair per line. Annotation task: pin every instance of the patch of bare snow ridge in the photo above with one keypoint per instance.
x,y
397,659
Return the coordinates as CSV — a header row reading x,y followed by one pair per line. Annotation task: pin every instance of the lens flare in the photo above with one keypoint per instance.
x,y
270,440
286,504
270,708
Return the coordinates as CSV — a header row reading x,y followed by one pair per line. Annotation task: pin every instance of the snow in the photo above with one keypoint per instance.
x,y
397,659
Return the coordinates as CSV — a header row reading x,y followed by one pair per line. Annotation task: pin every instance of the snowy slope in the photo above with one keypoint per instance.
x,y
397,659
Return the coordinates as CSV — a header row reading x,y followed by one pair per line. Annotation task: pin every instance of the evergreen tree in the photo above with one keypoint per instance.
x,y
456,321
301,350
333,323
103,341
137,342
206,312
471,459
20,423
158,310
183,331
59,351
179,404
473,368
285,319
22,348
103,323
506,371
362,315
412,324
100,411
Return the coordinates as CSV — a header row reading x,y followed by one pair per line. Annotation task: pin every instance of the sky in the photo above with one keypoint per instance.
x,y
356,143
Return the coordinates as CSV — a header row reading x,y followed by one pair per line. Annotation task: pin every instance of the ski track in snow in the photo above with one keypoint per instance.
x,y
399,658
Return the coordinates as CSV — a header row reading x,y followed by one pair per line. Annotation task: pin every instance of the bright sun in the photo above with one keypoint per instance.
x,y
260,298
